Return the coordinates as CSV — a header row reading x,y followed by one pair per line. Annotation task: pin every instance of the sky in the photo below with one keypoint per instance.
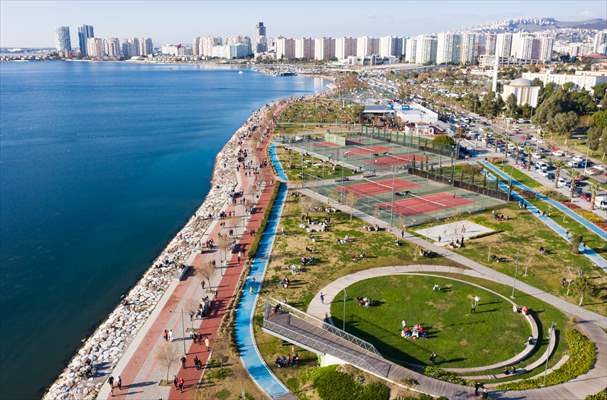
x,y
32,23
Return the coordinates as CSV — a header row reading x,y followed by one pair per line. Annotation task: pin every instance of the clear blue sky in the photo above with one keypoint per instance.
x,y
32,23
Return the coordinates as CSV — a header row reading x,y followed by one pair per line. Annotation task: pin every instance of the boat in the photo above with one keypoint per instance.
x,y
240,72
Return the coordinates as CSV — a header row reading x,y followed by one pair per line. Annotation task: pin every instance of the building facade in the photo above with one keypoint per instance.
x,y
425,52
260,39
448,48
285,48
95,47
304,48
84,33
63,43
581,80
345,47
324,49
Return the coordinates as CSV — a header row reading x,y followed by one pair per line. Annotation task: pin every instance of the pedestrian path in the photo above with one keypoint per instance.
x,y
591,254
558,205
276,163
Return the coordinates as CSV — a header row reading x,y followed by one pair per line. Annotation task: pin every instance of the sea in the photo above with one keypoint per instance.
x,y
100,165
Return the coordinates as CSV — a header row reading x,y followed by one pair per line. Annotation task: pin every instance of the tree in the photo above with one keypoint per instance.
x,y
205,272
581,284
443,141
558,164
224,243
563,123
166,355
599,91
512,105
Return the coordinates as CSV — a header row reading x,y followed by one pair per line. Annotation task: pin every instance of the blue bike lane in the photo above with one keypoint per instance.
x,y
245,339
549,222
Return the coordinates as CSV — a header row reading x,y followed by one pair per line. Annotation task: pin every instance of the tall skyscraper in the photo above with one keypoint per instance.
x,y
285,48
324,48
261,40
84,33
146,47
112,47
523,46
599,44
95,47
448,48
196,46
366,46
488,44
345,47
545,48
63,43
390,46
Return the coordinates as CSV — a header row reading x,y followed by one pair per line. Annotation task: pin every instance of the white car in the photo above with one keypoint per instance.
x,y
558,153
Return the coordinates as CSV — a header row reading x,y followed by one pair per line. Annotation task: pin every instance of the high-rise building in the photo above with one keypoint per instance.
x,y
503,44
545,48
390,46
425,52
63,43
84,33
196,46
324,48
285,48
146,47
206,45
304,48
410,50
487,46
345,47
523,46
599,45
95,47
469,48
261,40
112,47
366,46
448,48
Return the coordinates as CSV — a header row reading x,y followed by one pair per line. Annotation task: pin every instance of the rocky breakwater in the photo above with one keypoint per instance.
x,y
89,368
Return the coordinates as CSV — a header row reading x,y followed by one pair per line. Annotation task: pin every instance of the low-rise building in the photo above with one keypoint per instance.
x,y
581,79
523,90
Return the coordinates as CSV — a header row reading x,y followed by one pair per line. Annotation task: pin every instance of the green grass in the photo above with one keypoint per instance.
x,y
321,111
458,336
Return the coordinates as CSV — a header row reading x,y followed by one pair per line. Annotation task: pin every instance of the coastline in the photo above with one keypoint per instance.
x,y
107,344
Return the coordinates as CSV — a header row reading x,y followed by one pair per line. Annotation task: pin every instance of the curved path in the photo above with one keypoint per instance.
x,y
592,382
561,207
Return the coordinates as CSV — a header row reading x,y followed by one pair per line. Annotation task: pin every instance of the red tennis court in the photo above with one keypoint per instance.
x,y
395,160
363,151
379,186
326,144
426,204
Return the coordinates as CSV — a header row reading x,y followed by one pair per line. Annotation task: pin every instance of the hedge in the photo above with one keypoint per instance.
x,y
332,384
582,354
438,373
599,396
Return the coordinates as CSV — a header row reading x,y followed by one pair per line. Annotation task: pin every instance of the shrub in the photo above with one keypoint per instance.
x,y
438,373
332,384
599,396
582,354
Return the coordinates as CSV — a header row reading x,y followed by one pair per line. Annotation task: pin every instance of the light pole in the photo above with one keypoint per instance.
x,y
514,279
183,331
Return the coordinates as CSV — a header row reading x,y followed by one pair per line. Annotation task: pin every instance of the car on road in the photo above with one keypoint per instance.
x,y
558,153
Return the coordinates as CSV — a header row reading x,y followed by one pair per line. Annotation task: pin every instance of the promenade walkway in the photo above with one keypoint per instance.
x,y
140,368
592,382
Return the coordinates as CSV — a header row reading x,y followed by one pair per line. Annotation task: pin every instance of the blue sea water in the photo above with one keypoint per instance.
x,y
100,165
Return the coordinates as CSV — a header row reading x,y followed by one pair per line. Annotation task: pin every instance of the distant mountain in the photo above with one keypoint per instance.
x,y
540,24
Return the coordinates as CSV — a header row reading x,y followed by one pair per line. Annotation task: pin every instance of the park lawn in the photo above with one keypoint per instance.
x,y
321,110
459,337
519,176
545,314
314,168
334,261
520,237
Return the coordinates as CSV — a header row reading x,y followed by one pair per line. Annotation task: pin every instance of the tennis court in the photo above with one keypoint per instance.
x,y
363,152
404,199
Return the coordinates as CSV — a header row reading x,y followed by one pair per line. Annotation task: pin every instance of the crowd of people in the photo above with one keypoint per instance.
x,y
288,361
414,332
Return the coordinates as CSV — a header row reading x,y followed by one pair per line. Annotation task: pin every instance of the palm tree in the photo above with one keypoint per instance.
x,y
528,150
574,177
594,188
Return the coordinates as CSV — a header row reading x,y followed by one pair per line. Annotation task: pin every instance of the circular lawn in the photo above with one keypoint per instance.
x,y
458,336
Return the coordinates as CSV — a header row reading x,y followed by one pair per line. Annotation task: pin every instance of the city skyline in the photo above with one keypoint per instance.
x,y
21,27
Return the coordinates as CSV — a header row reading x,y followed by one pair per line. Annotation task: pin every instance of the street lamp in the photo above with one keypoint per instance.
x,y
514,279
343,325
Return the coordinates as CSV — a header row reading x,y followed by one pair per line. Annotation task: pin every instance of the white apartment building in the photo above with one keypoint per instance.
x,y
206,44
324,48
581,79
410,50
448,48
146,47
579,49
304,48
196,46
488,44
95,47
345,47
599,44
469,48
172,50
285,48
503,44
112,47
366,46
425,52
62,39
390,46
545,50
523,46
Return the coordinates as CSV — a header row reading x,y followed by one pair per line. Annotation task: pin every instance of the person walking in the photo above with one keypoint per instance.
x,y
181,382
119,384
165,335
110,380
207,342
170,336
183,360
433,357
477,386
322,298
175,381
